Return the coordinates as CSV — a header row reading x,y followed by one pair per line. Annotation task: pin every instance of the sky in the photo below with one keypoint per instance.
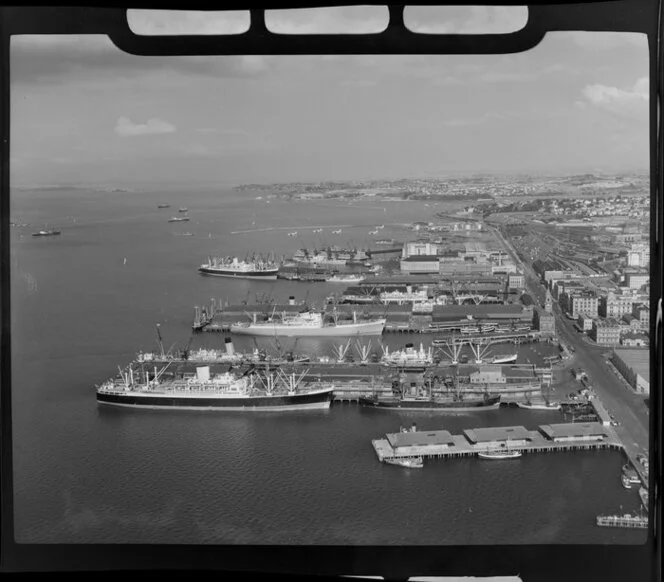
x,y
84,112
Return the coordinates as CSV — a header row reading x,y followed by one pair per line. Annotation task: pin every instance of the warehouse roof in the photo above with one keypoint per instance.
x,y
423,438
499,433
573,429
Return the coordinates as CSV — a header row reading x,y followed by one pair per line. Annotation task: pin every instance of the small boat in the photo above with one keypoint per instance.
x,y
46,233
182,209
178,219
164,206
409,463
498,455
317,230
625,482
292,233
336,231
373,232
184,234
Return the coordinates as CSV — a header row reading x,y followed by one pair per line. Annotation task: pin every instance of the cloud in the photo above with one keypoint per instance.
x,y
602,41
42,58
331,20
171,22
632,104
126,127
465,19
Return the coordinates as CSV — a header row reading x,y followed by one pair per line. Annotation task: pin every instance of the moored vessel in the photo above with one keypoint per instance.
x,y
345,278
179,219
310,323
499,455
436,403
247,269
409,463
546,406
206,391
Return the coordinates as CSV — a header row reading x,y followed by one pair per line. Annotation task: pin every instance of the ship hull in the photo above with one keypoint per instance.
x,y
499,457
537,406
491,403
314,400
332,331
270,275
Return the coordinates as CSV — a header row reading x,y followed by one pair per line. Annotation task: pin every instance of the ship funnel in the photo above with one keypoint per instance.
x,y
203,374
291,300
230,350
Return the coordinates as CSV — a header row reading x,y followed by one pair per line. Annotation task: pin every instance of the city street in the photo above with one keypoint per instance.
x,y
627,407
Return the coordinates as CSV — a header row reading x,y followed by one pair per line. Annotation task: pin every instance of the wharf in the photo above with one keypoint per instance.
x,y
629,521
549,438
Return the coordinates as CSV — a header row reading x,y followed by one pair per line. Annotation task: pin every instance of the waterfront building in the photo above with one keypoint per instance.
x,y
574,432
634,365
420,264
428,442
605,332
615,305
419,247
544,322
497,436
515,281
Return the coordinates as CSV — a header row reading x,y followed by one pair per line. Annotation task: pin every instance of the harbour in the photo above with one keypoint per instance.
x,y
117,333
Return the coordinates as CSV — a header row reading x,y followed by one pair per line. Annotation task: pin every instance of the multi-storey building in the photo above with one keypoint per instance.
x,y
585,322
515,281
642,313
615,305
580,304
419,247
605,332
639,255
636,280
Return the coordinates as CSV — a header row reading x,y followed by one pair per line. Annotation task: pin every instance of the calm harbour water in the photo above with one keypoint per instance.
x,y
86,473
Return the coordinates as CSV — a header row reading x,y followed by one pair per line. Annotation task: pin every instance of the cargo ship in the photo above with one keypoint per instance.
x,y
310,323
205,391
436,403
233,267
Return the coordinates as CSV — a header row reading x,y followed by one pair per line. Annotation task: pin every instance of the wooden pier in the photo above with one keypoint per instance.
x,y
548,439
